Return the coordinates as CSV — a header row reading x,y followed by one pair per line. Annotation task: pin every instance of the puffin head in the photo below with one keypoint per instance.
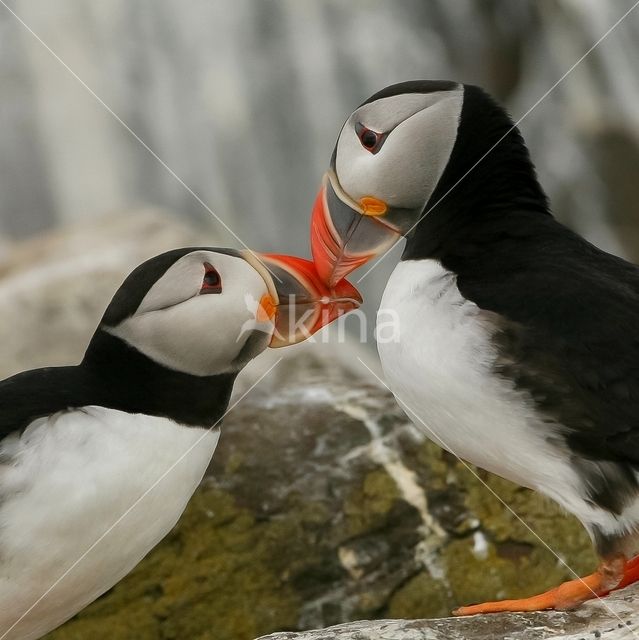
x,y
396,155
207,311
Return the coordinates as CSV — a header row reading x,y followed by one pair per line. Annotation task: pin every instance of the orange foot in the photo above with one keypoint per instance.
x,y
630,574
613,573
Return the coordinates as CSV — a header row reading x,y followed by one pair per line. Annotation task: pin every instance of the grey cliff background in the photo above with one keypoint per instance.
x,y
243,100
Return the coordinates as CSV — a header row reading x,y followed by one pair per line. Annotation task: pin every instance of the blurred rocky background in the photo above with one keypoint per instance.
x,y
243,100
323,504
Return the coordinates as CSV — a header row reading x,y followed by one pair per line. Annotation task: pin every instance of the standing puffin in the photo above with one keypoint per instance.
x,y
98,460
518,344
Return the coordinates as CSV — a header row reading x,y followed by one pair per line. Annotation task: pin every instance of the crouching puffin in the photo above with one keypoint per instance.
x,y
518,345
98,460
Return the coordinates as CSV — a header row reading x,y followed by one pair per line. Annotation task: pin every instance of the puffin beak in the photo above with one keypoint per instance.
x,y
346,234
301,301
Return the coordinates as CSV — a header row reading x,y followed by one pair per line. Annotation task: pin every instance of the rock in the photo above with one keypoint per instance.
x,y
614,618
323,504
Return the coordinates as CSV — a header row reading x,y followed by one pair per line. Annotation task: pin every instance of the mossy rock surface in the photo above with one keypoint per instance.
x,y
323,505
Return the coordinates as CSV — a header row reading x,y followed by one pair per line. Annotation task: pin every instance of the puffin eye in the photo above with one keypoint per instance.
x,y
212,282
371,140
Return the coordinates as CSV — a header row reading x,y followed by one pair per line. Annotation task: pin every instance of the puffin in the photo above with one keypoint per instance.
x,y
98,460
516,345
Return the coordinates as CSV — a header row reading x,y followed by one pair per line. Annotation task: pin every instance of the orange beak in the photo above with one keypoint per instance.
x,y
299,302
346,234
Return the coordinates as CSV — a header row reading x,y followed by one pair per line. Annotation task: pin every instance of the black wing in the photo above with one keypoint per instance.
x,y
569,330
35,394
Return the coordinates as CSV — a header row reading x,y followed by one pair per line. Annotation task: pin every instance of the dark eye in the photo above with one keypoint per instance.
x,y
370,139
212,282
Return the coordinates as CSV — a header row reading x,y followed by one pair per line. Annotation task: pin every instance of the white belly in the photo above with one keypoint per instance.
x,y
82,500
440,370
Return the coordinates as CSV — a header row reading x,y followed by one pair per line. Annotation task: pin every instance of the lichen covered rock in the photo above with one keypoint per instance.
x,y
614,618
323,504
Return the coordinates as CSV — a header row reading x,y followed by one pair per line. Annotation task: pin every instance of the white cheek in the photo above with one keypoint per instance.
x,y
201,335
353,165
406,170
416,153
205,334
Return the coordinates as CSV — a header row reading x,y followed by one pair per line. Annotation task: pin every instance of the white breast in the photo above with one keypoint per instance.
x,y
441,372
96,487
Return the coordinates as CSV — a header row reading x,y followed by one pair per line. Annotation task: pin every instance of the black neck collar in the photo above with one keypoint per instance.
x,y
481,186
133,382
116,376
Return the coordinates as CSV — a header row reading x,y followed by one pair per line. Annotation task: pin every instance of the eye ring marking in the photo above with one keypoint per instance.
x,y
371,140
212,281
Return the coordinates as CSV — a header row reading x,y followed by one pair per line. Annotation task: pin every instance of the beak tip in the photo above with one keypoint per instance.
x,y
304,299
344,289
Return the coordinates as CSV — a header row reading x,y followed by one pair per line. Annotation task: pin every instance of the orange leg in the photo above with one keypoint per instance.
x,y
613,573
